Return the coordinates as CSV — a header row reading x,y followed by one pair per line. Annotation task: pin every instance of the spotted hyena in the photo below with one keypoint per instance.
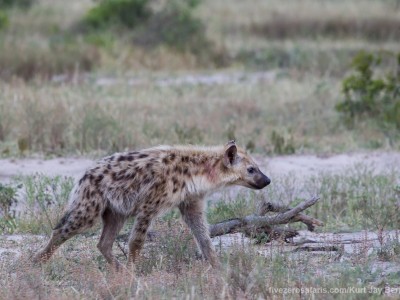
x,y
146,183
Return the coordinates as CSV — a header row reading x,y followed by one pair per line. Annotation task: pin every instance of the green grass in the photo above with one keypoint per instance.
x,y
40,202
355,199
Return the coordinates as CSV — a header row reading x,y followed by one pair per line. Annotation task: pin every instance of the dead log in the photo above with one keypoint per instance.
x,y
317,248
256,224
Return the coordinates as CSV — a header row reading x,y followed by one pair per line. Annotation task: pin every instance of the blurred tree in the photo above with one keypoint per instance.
x,y
126,13
368,97
5,4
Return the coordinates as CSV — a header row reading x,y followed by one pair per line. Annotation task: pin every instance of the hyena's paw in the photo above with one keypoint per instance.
x,y
39,258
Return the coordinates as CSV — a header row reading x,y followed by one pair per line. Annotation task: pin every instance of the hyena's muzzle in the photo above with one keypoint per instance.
x,y
260,181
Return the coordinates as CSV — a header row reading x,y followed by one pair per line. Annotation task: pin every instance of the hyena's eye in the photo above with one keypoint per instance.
x,y
251,170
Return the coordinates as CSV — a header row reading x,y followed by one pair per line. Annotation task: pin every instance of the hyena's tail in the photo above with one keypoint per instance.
x,y
84,209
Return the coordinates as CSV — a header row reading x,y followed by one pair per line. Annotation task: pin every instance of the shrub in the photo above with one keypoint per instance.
x,y
5,4
98,130
44,199
7,216
282,145
3,19
172,23
369,97
126,13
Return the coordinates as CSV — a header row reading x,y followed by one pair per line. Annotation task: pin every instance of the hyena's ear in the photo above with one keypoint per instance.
x,y
230,154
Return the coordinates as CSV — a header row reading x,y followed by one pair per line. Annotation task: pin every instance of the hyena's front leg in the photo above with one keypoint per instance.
x,y
194,217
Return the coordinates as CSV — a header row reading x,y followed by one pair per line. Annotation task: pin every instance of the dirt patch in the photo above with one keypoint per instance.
x,y
309,165
219,78
51,167
343,245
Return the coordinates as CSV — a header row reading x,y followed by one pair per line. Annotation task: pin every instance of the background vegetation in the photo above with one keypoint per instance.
x,y
281,79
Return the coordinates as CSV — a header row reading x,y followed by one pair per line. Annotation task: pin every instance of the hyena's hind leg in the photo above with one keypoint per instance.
x,y
138,235
59,235
75,221
112,224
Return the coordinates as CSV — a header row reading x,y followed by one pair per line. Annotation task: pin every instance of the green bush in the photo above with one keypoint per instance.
x,y
126,13
172,24
7,217
3,20
43,199
368,97
282,145
4,4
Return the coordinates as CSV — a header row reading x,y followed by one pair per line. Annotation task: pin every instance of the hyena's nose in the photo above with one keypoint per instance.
x,y
267,181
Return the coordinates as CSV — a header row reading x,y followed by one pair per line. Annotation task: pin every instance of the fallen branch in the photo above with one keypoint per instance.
x,y
253,224
300,217
317,248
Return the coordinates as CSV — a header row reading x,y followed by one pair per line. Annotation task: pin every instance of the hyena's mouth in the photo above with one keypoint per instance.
x,y
260,183
256,187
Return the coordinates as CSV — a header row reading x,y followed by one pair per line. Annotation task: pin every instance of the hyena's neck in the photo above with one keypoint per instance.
x,y
201,168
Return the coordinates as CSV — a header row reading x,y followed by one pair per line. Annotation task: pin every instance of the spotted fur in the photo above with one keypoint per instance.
x,y
145,184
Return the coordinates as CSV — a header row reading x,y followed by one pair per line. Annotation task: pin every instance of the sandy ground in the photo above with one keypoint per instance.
x,y
298,165
201,78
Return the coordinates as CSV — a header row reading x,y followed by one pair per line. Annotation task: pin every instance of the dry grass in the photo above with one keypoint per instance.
x,y
284,27
307,35
77,272
80,116
58,119
231,23
32,44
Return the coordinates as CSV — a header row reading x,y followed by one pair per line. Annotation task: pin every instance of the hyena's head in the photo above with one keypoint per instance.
x,y
240,168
